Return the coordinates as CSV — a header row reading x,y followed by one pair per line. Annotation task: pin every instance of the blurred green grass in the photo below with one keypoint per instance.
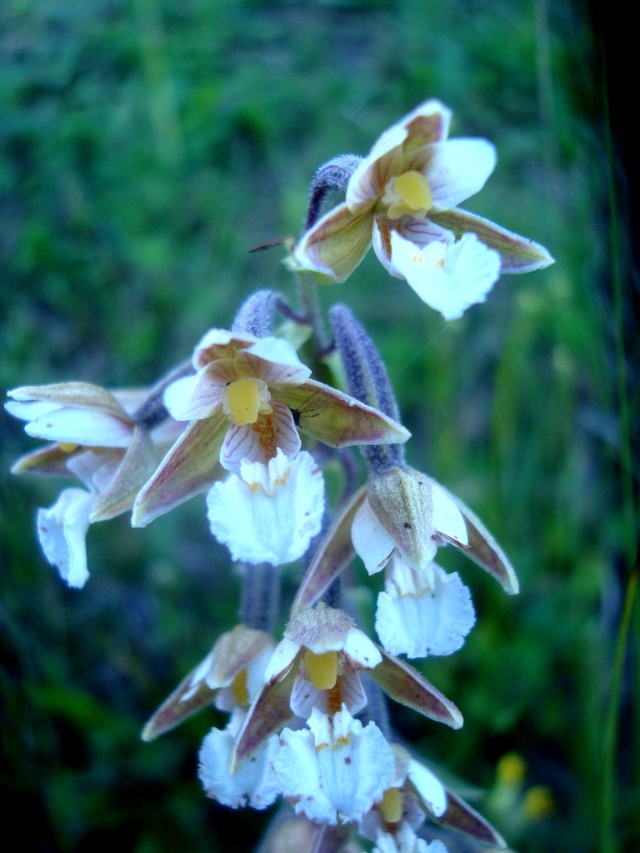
x,y
146,146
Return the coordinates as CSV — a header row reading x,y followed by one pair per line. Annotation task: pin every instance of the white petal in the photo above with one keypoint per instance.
x,y
177,397
271,514
29,410
336,769
226,698
368,181
255,442
361,650
254,784
62,529
92,428
433,622
458,169
370,540
447,518
278,351
387,156
429,787
448,278
283,656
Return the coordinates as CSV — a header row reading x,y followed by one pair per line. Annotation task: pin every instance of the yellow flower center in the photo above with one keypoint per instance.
x,y
243,400
239,688
322,669
391,805
409,193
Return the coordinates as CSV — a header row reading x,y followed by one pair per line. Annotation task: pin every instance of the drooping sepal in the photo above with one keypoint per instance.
x,y
517,254
268,714
405,684
461,817
233,652
135,469
191,466
484,550
337,419
330,558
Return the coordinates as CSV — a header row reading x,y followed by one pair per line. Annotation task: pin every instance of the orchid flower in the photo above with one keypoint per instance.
x,y
317,665
404,199
245,402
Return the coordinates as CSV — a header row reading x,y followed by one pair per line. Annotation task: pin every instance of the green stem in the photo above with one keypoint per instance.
x,y
310,305
608,843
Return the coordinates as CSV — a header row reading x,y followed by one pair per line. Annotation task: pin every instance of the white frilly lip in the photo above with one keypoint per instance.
x,y
447,277
62,529
254,784
424,612
334,770
270,513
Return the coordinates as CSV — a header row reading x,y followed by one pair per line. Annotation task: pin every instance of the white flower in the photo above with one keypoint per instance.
x,y
271,512
423,611
334,770
255,784
403,197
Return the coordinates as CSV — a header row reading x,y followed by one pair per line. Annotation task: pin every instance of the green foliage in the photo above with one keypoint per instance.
x,y
145,147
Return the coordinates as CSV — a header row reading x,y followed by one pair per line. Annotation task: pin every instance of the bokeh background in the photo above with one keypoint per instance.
x,y
145,147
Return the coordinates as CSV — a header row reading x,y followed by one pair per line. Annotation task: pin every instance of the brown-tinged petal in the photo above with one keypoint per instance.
x,y
135,469
404,684
518,254
269,713
461,817
395,151
484,550
220,344
427,124
338,420
190,467
81,395
336,244
331,557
